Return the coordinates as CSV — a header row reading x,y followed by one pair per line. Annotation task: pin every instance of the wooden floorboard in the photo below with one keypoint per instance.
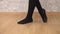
x,y
8,23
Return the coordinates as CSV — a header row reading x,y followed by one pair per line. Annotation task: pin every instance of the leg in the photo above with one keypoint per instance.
x,y
30,8
28,18
41,11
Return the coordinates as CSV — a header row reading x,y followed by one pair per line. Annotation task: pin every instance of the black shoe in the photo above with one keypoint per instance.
x,y
44,19
25,21
43,15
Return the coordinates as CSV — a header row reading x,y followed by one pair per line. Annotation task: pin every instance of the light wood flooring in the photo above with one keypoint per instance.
x,y
8,23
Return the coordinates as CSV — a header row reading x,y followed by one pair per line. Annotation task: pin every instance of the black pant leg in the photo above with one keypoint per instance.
x,y
40,9
38,5
30,8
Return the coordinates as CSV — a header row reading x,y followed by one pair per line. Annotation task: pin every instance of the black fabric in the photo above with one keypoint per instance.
x,y
32,5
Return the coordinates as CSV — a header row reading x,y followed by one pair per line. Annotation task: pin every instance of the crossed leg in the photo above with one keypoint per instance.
x,y
41,11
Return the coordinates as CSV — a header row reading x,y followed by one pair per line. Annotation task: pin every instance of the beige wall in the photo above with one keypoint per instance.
x,y
22,5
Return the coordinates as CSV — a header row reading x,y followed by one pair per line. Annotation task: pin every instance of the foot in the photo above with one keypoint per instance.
x,y
44,19
25,21
43,15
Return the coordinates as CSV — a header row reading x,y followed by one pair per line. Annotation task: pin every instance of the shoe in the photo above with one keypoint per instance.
x,y
43,15
25,21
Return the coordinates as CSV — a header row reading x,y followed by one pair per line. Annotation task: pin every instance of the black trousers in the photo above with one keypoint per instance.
x,y
32,5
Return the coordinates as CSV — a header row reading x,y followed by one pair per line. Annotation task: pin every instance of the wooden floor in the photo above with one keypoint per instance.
x,y
8,23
